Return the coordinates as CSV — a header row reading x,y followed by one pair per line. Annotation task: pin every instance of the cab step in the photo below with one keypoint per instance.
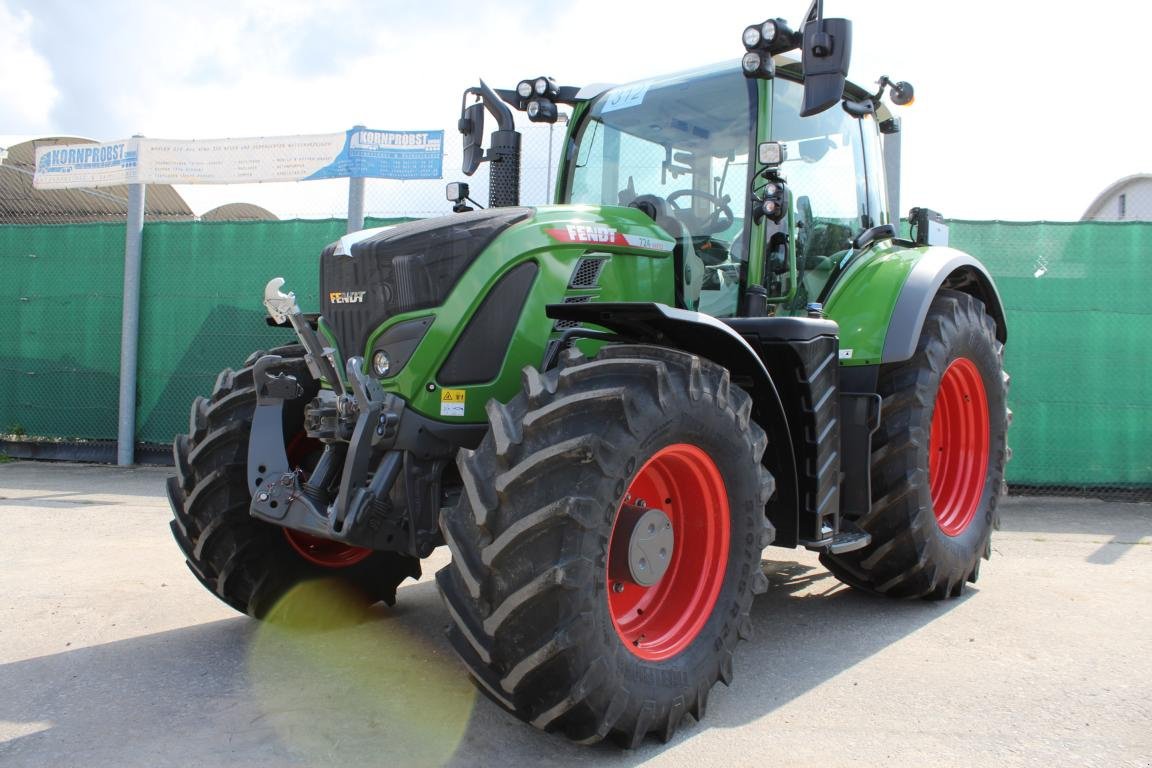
x,y
848,539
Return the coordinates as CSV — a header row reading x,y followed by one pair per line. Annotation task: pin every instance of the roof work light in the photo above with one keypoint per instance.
x,y
763,41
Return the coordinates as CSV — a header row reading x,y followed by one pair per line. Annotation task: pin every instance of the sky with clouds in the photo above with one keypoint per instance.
x,y
1025,109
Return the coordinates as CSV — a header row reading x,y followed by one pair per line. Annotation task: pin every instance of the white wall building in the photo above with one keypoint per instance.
x,y
1129,199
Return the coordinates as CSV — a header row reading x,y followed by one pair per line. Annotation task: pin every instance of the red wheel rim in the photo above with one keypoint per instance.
x,y
325,552
660,621
958,447
303,453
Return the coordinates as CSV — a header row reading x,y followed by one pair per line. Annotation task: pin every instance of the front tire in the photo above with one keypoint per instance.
x,y
937,460
585,463
248,563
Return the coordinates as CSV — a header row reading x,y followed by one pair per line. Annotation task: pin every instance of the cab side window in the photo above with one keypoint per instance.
x,y
825,171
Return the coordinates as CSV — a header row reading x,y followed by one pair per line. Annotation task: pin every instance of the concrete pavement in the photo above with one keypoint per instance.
x,y
111,654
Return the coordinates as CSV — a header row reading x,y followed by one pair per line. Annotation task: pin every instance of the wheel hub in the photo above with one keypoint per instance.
x,y
643,553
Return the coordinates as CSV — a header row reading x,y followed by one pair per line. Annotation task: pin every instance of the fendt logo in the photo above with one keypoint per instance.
x,y
346,297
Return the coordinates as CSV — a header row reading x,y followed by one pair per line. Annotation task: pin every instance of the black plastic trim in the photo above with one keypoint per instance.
x,y
479,352
400,341
859,418
872,234
801,354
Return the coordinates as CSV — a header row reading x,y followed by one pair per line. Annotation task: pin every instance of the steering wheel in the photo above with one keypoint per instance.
x,y
719,220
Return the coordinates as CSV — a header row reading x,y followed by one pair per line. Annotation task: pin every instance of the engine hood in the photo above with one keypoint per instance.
x,y
399,269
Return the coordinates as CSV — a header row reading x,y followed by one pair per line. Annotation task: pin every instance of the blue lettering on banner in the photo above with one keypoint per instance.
x,y
374,154
93,158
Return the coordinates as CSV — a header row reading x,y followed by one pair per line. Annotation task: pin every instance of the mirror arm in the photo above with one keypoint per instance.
x,y
494,106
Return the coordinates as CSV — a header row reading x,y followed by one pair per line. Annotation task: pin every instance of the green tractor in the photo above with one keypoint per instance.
x,y
715,341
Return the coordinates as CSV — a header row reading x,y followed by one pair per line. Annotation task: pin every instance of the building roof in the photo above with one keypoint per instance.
x,y
239,212
1094,210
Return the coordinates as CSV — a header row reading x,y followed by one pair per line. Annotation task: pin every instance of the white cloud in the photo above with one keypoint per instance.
x,y
1011,120
27,93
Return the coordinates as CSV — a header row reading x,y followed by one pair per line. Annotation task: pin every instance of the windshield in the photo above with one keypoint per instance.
x,y
676,148
687,135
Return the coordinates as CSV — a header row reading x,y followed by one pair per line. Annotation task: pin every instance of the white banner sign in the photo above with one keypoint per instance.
x,y
66,166
357,153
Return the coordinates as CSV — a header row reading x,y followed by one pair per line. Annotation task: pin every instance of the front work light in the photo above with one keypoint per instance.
x,y
545,86
768,32
524,89
381,363
541,111
763,41
758,64
456,191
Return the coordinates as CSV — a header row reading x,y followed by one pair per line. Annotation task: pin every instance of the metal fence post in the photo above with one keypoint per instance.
x,y
356,199
130,326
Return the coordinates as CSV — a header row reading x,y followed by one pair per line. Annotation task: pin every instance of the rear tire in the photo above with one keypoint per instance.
x,y
247,563
543,619
937,460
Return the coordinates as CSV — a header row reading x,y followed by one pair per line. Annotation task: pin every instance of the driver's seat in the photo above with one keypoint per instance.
x,y
689,266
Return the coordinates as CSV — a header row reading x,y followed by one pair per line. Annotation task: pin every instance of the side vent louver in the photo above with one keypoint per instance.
x,y
561,325
587,273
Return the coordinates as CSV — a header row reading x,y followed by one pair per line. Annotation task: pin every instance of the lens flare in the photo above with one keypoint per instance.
x,y
346,684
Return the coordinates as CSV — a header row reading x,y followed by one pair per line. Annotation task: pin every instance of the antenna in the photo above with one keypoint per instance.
x,y
815,13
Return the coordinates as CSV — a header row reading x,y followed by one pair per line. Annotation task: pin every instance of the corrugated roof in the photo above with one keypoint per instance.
x,y
20,203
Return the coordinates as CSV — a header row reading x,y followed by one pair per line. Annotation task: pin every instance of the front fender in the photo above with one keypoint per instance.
x,y
938,268
882,300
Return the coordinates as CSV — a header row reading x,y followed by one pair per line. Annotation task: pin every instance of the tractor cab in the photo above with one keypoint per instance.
x,y
676,148
753,235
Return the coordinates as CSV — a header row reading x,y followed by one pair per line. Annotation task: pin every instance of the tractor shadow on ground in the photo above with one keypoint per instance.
x,y
385,689
808,629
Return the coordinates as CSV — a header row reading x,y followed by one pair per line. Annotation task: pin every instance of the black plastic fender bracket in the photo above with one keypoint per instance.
x,y
276,381
860,416
266,455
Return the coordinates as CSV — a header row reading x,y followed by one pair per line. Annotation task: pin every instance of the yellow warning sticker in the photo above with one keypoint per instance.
x,y
452,402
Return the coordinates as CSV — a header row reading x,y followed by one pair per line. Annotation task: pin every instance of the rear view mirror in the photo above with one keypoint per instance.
x,y
813,150
472,126
827,49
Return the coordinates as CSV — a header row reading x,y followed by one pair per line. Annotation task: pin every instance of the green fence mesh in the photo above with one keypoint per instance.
x,y
60,307
200,311
1078,347
1074,293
